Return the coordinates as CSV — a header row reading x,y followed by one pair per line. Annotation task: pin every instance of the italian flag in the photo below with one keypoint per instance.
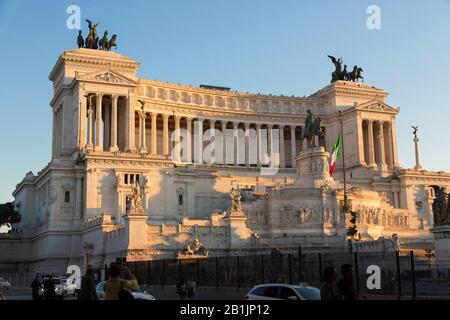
x,y
336,154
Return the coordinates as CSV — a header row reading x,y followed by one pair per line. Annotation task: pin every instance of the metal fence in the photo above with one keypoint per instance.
x,y
401,274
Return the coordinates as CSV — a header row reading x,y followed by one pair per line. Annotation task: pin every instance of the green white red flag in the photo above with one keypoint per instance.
x,y
336,154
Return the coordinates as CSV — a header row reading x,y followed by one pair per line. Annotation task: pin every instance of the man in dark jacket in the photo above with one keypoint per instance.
x,y
49,289
87,291
35,287
345,285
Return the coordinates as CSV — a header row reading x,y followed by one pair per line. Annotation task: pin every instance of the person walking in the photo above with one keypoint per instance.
x,y
190,288
328,289
345,285
181,289
131,279
115,287
87,290
35,287
49,289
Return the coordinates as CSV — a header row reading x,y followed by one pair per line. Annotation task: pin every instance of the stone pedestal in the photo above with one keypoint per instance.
x,y
441,236
239,235
136,228
313,168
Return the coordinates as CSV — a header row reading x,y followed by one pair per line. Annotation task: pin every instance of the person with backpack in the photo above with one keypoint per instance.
x,y
117,288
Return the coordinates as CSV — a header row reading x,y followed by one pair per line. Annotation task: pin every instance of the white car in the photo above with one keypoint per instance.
x,y
4,284
70,287
280,291
137,293
60,288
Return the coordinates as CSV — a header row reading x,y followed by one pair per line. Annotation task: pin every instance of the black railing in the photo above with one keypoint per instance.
x,y
400,274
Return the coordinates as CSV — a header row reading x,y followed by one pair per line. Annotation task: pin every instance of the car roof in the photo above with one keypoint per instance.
x,y
295,286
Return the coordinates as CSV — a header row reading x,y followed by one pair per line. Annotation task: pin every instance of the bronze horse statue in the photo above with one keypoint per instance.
x,y
355,74
112,42
312,129
104,42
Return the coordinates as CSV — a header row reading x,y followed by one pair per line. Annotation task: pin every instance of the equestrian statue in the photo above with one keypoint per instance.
x,y
312,129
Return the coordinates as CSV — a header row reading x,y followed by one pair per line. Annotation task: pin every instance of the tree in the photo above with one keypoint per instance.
x,y
8,213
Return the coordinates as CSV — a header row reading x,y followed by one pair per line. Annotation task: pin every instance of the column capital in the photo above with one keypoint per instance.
x,y
165,116
247,125
292,126
269,126
281,126
115,96
258,125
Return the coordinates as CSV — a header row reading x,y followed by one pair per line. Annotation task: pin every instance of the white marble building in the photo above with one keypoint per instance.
x,y
75,208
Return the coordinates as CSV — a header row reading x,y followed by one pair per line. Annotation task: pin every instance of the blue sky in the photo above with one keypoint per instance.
x,y
277,47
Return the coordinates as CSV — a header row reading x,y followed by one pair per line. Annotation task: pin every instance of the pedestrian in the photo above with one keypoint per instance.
x,y
345,285
190,288
132,281
87,290
35,287
49,289
328,288
181,289
115,287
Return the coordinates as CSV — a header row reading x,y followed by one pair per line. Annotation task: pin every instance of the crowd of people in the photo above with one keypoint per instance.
x,y
118,287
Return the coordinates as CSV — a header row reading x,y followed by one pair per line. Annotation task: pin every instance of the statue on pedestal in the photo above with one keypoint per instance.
x,y
441,207
134,201
236,208
312,129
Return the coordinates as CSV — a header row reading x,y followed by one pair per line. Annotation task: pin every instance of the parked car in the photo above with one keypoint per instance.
x,y
60,288
279,291
137,293
70,287
4,284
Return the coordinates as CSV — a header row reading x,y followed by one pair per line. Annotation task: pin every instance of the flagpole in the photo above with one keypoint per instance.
x,y
343,163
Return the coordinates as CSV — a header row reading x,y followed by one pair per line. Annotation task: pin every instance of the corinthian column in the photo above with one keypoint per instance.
x,y
371,145
247,144
90,121
165,134
130,123
177,139
143,148
224,142
114,147
282,155
188,144
98,122
293,147
154,134
258,145
380,141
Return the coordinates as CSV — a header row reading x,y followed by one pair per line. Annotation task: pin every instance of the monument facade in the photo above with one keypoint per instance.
x,y
118,186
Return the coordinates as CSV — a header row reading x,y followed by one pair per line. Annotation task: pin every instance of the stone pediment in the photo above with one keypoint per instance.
x,y
377,106
107,76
